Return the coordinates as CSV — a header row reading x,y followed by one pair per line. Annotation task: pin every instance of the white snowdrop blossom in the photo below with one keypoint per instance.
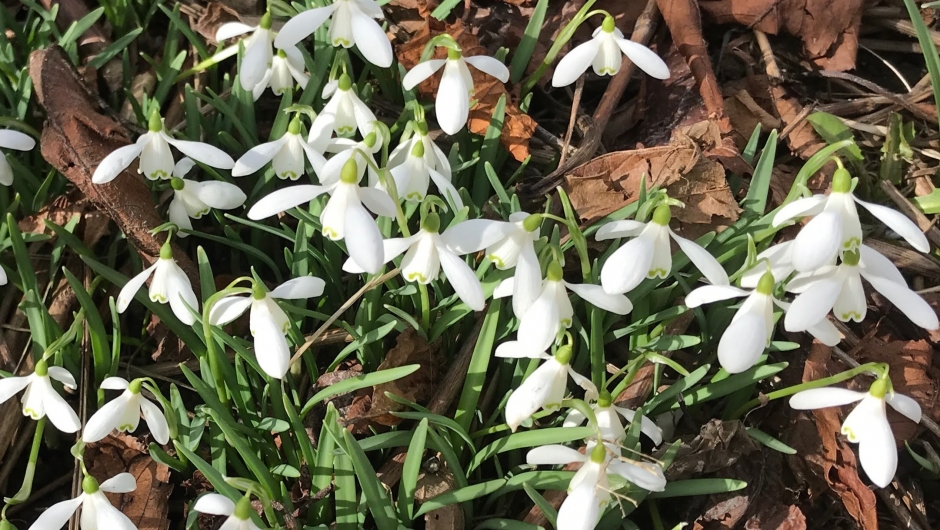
x,y
344,110
434,157
551,311
867,424
835,226
608,418
268,322
156,159
193,199
286,155
97,511
427,252
603,52
170,285
40,398
286,70
413,175
452,106
517,250
124,412
352,24
344,217
362,151
838,288
752,326
648,255
589,489
17,141
239,514
262,67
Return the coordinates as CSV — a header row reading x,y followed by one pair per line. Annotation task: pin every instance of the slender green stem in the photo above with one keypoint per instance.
x,y
27,487
425,307
213,355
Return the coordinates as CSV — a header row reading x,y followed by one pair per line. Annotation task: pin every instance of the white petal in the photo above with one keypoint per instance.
x,y
778,256
905,405
609,57
256,157
371,39
301,25
228,309
812,305
628,265
818,242
178,214
232,29
504,288
617,229
271,348
363,239
214,504
105,420
552,455
527,281
57,515
202,152
156,421
446,189
58,411
156,158
909,302
850,304
900,223
10,386
6,176
452,105
489,65
804,280
107,516
116,162
573,419
708,294
647,426
703,260
575,62
818,398
825,332
598,297
114,383
877,452
120,483
743,342
299,288
284,199
10,139
391,249
256,60
475,235
644,58
220,195
872,263
800,208
513,349
541,323
378,202
132,286
462,279
580,509
646,475
63,376
535,392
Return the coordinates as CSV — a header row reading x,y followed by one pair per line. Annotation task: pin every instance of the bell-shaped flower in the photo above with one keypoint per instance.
x,y
97,511
124,412
256,63
648,255
267,321
551,311
344,214
40,398
835,227
156,159
239,514
193,199
838,288
434,157
286,155
452,106
15,140
287,69
608,418
589,491
603,52
413,176
344,109
352,24
170,285
752,326
867,424
428,251
517,250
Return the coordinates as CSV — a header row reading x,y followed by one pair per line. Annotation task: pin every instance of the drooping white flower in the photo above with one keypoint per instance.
x,y
838,288
413,175
648,255
193,199
287,69
268,322
589,489
345,215
551,311
124,412
256,63
40,398
344,110
603,52
239,514
156,159
452,106
97,511
286,155
867,425
434,157
15,140
170,285
835,226
752,326
352,24
428,251
608,418
517,250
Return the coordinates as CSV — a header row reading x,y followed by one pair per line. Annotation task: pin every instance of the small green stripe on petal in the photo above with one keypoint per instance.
x,y
500,264
157,298
850,315
416,277
657,273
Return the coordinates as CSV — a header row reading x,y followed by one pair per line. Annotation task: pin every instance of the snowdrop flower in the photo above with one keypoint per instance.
x,y
517,250
170,285
589,489
608,418
344,109
124,412
752,326
540,324
344,214
603,53
287,68
838,288
239,514
867,425
156,160
427,252
256,64
434,157
351,25
413,176
835,226
648,255
286,155
40,399
452,106
345,148
97,511
18,141
268,322
193,199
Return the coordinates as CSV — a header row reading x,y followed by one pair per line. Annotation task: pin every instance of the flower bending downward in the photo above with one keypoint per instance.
x,y
260,67
12,140
40,398
608,418
286,155
344,110
193,199
170,285
97,511
124,412
352,24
